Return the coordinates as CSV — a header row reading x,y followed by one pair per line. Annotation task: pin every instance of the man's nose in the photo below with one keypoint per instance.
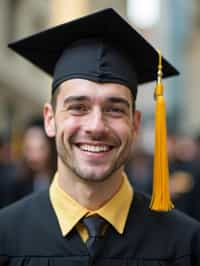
x,y
96,123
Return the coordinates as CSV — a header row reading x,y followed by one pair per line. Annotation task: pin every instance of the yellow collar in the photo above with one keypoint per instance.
x,y
69,212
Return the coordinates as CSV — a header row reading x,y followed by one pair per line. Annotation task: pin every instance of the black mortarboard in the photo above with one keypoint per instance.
x,y
101,47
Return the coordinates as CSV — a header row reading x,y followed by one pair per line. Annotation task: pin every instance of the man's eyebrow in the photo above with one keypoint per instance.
x,y
118,100
75,98
112,99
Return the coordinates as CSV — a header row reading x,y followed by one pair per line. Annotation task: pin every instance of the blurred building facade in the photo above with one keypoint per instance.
x,y
23,87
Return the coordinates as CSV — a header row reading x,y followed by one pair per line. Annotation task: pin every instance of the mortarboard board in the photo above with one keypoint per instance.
x,y
103,47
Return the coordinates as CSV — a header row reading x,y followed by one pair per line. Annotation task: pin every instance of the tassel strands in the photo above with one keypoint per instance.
x,y
161,196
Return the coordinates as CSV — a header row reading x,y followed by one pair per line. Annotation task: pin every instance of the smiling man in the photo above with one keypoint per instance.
x,y
94,125
91,215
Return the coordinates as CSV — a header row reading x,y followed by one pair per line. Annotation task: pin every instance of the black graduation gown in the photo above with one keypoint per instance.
x,y
30,236
7,181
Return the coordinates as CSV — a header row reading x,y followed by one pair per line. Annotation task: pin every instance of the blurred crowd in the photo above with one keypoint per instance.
x,y
34,169
184,172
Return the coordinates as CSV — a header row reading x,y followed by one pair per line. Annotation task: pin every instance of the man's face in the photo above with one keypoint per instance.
x,y
36,149
94,125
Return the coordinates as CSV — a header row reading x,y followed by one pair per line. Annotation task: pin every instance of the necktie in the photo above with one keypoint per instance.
x,y
94,225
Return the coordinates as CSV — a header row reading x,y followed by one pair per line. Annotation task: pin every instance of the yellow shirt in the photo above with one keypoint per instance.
x,y
69,212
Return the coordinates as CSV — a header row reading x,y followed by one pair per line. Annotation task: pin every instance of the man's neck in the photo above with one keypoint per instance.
x,y
91,195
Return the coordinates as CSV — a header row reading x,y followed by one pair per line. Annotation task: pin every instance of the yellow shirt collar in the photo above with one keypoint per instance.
x,y
69,212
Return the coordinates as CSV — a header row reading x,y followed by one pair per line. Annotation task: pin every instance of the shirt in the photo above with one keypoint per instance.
x,y
69,212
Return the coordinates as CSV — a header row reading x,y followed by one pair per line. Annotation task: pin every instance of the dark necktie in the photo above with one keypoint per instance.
x,y
94,225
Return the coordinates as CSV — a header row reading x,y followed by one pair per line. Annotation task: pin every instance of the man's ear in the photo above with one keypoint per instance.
x,y
49,120
137,116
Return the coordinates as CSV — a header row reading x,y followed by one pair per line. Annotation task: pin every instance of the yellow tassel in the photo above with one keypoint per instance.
x,y
161,196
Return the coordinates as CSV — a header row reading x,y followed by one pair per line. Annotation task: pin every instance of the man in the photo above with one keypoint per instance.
x,y
38,163
91,215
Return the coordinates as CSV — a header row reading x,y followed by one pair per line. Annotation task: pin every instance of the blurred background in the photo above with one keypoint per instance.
x,y
173,26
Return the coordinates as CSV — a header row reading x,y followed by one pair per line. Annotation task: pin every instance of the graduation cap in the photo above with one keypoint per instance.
x,y
103,47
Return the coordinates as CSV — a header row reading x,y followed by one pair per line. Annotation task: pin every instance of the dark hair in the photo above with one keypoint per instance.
x,y
54,98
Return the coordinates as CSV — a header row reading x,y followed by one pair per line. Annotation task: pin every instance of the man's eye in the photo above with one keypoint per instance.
x,y
78,108
115,110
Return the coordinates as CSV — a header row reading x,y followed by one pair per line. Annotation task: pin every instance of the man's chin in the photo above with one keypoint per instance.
x,y
94,176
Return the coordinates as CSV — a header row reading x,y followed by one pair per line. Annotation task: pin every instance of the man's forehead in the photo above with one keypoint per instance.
x,y
91,89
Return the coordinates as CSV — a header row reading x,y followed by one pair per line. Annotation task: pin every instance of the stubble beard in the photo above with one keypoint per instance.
x,y
91,177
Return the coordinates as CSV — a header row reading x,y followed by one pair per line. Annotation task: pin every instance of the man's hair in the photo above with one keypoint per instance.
x,y
56,92
54,97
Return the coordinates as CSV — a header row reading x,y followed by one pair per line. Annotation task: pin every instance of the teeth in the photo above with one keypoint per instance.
x,y
92,148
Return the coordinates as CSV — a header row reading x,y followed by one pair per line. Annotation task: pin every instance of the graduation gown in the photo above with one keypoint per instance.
x,y
30,236
7,184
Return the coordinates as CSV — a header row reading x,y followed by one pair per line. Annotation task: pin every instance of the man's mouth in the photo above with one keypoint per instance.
x,y
94,148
